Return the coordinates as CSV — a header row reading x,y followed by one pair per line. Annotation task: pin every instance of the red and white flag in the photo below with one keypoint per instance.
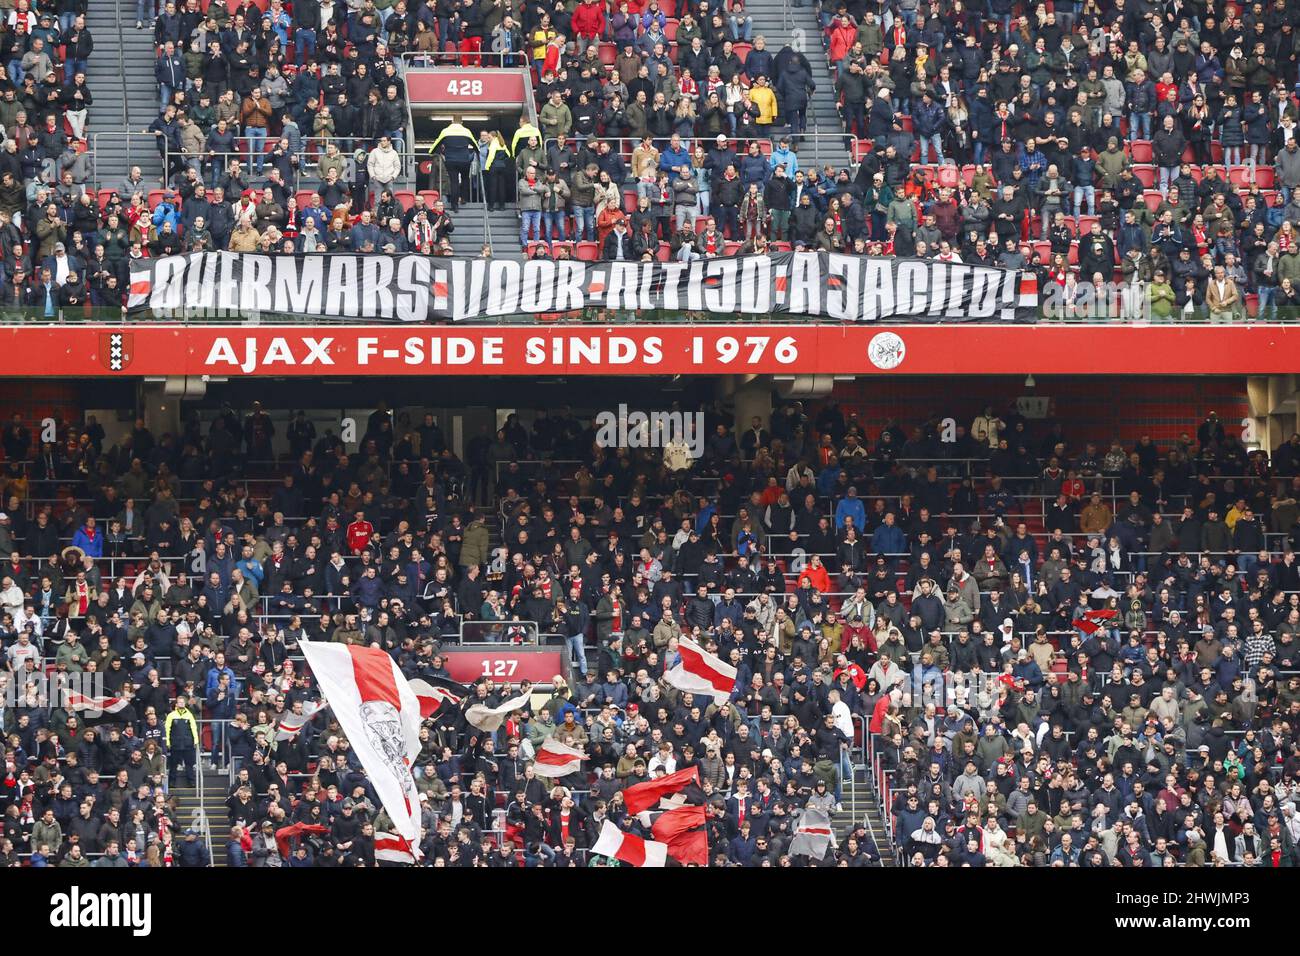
x,y
682,831
391,847
1090,622
814,836
84,704
556,759
437,694
700,672
488,719
378,711
291,724
644,796
629,848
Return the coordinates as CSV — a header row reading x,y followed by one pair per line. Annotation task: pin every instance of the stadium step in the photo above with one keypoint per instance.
x,y
868,815
470,237
192,804
798,27
120,77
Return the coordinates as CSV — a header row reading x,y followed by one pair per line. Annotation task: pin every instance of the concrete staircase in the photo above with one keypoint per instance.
x,y
191,805
120,77
797,27
868,814
469,237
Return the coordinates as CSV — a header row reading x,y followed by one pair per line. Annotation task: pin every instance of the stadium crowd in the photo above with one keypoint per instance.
x,y
1140,142
882,602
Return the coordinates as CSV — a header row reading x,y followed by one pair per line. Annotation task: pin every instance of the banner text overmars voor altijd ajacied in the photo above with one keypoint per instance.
x,y
408,289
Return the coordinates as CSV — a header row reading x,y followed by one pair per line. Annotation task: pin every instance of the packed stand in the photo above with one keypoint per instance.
x,y
45,166
935,612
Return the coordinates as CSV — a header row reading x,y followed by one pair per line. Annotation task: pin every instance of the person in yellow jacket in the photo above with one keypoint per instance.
x,y
541,38
761,95
181,731
525,130
497,166
459,150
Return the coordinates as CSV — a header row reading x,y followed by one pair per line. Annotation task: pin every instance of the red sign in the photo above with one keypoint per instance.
x,y
465,88
229,351
505,665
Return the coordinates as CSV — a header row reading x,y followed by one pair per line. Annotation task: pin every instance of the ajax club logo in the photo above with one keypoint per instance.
x,y
886,350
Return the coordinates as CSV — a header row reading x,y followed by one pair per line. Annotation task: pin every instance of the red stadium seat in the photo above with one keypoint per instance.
x,y
303,196
665,253
430,196
1140,151
1085,224
741,50
587,252
1252,305
405,197
1145,174
1153,199
155,197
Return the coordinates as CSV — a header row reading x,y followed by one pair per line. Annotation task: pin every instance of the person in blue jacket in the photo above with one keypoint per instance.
x,y
850,506
888,539
89,539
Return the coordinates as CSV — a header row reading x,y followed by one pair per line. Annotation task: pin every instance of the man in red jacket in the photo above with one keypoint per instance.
x,y
359,533
589,21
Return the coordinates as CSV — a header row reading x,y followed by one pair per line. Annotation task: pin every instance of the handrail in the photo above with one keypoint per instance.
x,y
487,217
491,59
121,69
205,826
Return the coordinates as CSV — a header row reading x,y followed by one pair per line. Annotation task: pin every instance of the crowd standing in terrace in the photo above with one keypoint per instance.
x,y
934,611
1144,143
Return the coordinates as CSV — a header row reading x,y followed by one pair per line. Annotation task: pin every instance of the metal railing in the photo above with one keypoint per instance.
x,y
201,814
499,59
142,143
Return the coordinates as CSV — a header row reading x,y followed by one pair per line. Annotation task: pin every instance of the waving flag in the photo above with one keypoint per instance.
x,y
555,759
83,704
629,848
289,726
490,718
435,693
285,834
700,672
379,713
682,830
392,848
814,835
643,796
1089,622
